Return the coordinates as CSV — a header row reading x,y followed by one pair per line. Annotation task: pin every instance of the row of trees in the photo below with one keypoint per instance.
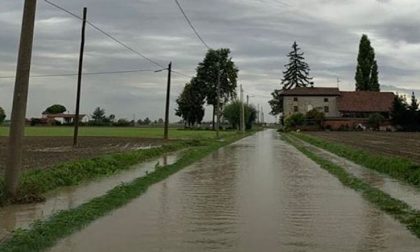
x,y
297,73
217,66
406,115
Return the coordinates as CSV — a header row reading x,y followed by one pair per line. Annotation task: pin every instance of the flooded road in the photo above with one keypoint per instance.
x,y
21,216
259,194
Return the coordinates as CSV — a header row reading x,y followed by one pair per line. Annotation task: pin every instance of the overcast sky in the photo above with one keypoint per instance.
x,y
259,33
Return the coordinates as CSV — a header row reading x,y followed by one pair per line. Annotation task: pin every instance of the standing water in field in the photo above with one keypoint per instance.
x,y
21,216
259,194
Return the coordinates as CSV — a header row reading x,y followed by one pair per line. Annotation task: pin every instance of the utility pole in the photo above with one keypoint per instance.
x,y
218,101
247,99
258,113
242,115
20,98
168,95
79,80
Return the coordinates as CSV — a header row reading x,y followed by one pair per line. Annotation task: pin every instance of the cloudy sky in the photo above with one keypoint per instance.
x,y
259,33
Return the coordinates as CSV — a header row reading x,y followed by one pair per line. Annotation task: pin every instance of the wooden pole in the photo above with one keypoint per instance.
x,y
20,98
218,102
79,80
168,95
242,115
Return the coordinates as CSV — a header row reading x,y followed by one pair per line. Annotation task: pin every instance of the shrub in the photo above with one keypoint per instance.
x,y
315,116
294,120
375,120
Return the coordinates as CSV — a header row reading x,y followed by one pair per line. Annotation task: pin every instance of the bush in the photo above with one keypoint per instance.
x,y
375,120
122,123
294,120
315,116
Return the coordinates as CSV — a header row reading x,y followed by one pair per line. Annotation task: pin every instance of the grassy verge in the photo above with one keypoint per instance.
x,y
35,183
394,207
44,234
399,168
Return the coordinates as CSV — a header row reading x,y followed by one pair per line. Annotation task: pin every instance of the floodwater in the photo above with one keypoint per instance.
x,y
394,187
21,216
259,194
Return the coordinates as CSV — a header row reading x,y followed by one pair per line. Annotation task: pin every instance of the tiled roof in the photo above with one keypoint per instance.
x,y
312,91
365,101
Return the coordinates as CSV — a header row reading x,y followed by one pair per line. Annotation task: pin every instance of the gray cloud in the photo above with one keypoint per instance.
x,y
259,32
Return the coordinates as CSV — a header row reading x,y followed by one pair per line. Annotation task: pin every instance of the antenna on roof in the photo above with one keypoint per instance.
x,y
338,82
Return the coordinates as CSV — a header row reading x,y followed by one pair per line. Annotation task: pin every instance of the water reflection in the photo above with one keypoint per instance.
x,y
21,216
259,194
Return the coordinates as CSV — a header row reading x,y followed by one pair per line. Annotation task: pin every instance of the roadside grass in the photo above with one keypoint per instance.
x,y
396,167
44,234
34,183
394,207
117,132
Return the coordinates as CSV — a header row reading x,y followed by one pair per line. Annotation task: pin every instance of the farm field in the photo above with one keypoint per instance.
x,y
48,146
402,144
115,132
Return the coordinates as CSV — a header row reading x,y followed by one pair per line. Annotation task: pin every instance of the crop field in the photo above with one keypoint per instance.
x,y
45,147
115,132
401,144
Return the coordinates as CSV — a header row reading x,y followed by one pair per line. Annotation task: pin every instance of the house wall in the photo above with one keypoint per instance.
x,y
306,103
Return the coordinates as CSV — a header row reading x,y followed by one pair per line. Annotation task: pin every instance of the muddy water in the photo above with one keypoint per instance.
x,y
21,216
397,189
259,194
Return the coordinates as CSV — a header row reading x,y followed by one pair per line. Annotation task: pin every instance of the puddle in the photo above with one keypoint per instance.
x,y
396,188
21,216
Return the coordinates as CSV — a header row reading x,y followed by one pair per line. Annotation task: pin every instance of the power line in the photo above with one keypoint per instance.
x,y
105,33
191,25
75,74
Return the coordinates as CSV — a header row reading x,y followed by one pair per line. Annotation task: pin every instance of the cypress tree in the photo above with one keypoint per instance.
x,y
297,70
414,106
367,68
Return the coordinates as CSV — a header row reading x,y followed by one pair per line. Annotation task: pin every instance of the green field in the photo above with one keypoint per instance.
x,y
116,132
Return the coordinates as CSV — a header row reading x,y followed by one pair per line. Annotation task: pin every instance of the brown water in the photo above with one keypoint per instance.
x,y
259,194
21,216
394,187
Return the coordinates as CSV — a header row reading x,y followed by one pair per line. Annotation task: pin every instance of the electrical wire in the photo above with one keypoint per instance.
x,y
191,25
105,33
75,74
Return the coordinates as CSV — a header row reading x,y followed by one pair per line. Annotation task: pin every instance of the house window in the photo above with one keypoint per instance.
x,y
295,108
325,99
295,99
326,109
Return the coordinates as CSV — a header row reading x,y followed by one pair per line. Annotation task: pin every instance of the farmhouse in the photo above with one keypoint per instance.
x,y
341,108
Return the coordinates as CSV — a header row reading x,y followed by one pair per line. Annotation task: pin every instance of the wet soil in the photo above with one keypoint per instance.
x,y
46,152
402,144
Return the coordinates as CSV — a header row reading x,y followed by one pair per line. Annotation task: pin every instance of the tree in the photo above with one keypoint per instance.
x,y
207,76
232,113
297,70
399,115
190,103
276,103
147,121
160,121
2,115
375,120
111,117
98,115
414,105
367,68
296,75
55,109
